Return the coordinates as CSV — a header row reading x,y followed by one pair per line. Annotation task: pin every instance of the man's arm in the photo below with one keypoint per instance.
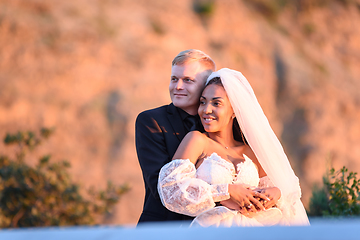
x,y
151,149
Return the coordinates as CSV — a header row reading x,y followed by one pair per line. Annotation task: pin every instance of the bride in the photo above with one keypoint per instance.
x,y
208,169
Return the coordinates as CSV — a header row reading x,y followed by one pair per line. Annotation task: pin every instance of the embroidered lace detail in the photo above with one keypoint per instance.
x,y
247,173
220,192
181,192
216,170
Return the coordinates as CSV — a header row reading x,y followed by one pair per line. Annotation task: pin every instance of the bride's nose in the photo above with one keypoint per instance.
x,y
207,109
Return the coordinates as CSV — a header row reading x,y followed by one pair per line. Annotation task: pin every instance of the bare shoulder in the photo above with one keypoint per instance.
x,y
195,137
191,147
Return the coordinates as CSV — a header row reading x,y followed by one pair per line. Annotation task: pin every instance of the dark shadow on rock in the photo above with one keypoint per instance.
x,y
294,130
280,68
293,117
117,122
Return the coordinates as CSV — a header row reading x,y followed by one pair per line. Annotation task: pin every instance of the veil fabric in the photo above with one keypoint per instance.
x,y
264,143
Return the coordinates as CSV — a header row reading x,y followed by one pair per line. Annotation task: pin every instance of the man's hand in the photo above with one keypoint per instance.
x,y
272,193
231,204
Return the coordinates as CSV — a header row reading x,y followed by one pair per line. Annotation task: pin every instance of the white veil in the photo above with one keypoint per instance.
x,y
264,143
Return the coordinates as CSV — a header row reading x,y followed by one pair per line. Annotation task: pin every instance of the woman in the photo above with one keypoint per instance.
x,y
205,165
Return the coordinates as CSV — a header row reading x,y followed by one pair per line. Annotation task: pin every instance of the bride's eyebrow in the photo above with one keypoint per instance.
x,y
216,98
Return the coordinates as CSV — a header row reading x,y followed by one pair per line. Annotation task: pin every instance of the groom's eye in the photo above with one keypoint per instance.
x,y
187,80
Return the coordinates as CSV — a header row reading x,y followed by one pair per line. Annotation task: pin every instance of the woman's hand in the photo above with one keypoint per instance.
x,y
272,193
247,200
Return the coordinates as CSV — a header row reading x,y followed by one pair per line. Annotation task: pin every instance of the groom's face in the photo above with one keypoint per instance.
x,y
186,85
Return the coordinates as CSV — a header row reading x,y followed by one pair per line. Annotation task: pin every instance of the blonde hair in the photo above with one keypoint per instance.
x,y
191,55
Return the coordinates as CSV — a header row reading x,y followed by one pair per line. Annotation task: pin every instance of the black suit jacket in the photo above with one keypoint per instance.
x,y
158,133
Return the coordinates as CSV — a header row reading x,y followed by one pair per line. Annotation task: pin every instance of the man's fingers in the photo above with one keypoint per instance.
x,y
269,204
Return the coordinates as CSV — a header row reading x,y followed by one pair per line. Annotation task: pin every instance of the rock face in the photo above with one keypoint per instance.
x,y
89,67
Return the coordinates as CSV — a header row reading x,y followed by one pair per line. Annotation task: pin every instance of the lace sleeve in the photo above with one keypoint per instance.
x,y
265,182
181,192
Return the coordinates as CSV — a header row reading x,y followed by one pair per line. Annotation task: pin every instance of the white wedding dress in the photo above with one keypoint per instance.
x,y
190,191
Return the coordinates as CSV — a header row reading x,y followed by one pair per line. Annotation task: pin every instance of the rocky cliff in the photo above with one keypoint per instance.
x,y
89,67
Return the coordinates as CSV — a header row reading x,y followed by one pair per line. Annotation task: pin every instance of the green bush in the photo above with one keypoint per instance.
x,y
339,196
203,7
45,195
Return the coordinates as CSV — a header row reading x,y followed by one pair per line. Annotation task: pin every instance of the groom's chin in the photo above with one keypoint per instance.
x,y
180,103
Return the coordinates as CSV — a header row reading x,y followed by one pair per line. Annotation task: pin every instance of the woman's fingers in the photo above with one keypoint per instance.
x,y
256,203
244,211
249,205
261,195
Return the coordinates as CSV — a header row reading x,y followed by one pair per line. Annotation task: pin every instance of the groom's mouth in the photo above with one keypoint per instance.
x,y
180,95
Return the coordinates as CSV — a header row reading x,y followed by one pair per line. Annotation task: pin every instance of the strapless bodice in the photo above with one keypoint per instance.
x,y
216,170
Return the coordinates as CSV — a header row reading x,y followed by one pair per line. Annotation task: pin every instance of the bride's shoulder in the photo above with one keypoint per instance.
x,y
196,136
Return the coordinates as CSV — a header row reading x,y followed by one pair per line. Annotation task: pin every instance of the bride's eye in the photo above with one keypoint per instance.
x,y
217,103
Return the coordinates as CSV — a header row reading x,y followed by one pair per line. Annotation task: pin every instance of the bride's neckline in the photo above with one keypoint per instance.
x,y
231,164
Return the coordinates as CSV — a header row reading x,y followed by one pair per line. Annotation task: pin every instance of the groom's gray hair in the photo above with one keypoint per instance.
x,y
191,55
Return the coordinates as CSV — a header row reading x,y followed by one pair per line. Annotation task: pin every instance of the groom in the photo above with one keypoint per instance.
x,y
159,131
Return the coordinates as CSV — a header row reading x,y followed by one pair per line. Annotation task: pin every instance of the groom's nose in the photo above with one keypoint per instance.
x,y
179,84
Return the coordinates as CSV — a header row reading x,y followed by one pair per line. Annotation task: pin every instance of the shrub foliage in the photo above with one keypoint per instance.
x,y
45,195
339,196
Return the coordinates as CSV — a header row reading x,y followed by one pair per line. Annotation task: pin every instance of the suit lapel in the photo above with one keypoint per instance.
x,y
176,122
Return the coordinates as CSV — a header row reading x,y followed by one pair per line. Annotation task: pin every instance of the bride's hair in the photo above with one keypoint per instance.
x,y
237,133
191,55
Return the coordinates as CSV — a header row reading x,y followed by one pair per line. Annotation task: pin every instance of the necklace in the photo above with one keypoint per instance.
x,y
226,147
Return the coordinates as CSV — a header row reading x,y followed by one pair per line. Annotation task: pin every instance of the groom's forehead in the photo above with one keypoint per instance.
x,y
189,69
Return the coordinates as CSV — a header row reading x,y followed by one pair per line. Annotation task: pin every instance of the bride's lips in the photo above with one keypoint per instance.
x,y
208,119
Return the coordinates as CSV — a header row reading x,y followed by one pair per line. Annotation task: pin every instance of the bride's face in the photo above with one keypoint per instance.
x,y
215,110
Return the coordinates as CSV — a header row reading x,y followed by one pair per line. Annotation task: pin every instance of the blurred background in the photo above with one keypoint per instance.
x,y
88,67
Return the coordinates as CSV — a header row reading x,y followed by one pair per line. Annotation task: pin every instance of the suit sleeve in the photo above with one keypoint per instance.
x,y
151,149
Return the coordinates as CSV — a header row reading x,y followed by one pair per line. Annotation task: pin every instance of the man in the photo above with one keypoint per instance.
x,y
159,131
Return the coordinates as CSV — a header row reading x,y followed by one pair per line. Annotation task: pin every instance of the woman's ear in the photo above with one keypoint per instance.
x,y
233,116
